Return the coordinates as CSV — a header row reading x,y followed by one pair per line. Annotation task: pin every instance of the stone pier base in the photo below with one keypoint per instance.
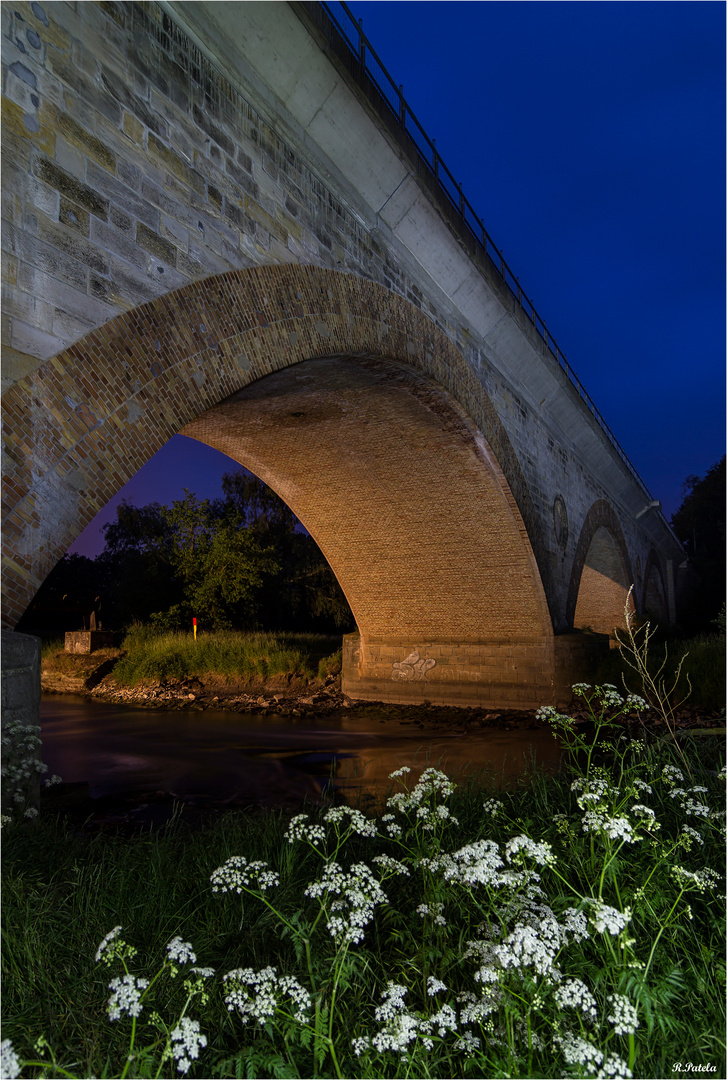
x,y
88,641
20,725
497,674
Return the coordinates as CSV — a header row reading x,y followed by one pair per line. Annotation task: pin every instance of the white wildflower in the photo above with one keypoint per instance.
x,y
575,923
622,1014
399,772
467,1044
579,1051
541,853
637,703
581,688
613,1068
641,785
299,830
266,993
492,807
575,994
360,893
126,996
618,828
701,880
104,952
606,919
435,910
358,823
434,986
9,1060
692,834
180,952
393,866
671,774
186,1043
237,873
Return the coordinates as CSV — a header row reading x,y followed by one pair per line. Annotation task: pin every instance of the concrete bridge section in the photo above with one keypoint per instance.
x,y
209,228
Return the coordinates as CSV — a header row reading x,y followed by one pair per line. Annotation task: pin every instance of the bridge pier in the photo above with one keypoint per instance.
x,y
514,674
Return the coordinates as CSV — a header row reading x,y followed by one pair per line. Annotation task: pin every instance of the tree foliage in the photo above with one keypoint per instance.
x,y
239,562
700,525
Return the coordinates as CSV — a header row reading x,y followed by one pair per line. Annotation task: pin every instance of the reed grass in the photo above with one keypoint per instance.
x,y
153,655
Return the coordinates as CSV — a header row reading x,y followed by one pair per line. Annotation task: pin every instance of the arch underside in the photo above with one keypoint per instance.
x,y
603,592
405,500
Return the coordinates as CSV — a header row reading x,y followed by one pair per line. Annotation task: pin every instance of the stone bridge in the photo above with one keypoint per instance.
x,y
216,222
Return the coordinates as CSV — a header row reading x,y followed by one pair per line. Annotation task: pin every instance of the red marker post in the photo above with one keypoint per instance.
x,y
194,624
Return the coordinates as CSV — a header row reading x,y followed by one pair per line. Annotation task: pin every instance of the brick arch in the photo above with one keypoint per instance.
x,y
78,427
601,575
654,603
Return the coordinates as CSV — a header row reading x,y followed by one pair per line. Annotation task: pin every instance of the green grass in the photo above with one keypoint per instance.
x,y
162,655
63,892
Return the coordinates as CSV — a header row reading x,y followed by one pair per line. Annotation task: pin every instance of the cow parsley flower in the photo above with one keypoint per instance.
x,y
186,1043
691,834
701,880
575,994
257,994
126,996
606,919
622,1014
359,892
574,923
393,866
358,823
106,951
671,774
434,986
542,853
180,952
618,828
299,830
492,807
9,1060
237,873
435,910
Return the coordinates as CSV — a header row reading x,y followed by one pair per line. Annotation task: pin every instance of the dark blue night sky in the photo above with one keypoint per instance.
x,y
590,137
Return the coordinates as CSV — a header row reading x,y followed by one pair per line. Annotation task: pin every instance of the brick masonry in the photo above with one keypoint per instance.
x,y
165,244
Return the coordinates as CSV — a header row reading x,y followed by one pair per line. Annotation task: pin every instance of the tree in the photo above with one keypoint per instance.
x,y
700,525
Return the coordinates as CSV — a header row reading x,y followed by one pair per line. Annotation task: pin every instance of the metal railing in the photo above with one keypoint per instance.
x,y
347,39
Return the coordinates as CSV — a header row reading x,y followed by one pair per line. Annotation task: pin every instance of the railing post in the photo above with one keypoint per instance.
x,y
361,44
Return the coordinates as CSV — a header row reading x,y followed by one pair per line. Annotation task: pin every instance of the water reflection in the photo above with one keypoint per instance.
x,y
264,759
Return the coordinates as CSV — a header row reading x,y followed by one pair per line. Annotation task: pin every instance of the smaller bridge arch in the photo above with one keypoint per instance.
x,y
654,602
601,575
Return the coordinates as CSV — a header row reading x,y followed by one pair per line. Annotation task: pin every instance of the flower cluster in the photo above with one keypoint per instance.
x,y
237,873
357,822
186,1043
112,947
574,994
622,1014
126,994
401,1028
256,995
180,952
580,1052
9,1061
605,919
422,799
359,892
617,828
300,829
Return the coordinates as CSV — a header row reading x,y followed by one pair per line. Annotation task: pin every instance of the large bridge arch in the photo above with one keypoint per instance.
x,y
80,425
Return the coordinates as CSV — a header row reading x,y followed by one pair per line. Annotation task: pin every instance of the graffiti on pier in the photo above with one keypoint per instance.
x,y
413,668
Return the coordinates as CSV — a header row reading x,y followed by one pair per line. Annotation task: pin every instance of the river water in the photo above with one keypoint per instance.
x,y
241,759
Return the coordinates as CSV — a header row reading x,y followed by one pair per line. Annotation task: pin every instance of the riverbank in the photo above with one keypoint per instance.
x,y
288,694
